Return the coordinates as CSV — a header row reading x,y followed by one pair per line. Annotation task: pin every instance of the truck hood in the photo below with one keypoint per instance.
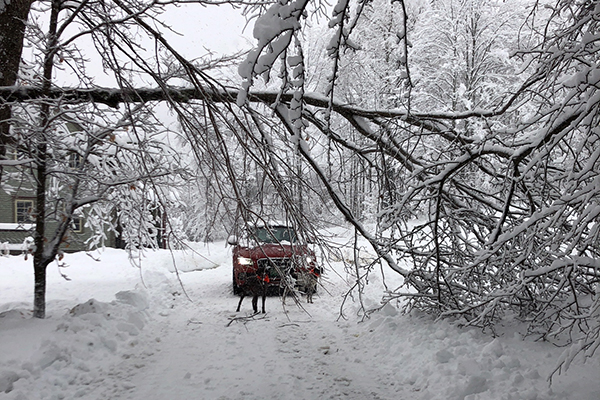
x,y
273,250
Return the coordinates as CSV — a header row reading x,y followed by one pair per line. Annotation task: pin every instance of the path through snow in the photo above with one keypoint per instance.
x,y
201,350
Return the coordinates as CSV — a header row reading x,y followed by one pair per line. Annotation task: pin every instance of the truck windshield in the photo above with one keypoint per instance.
x,y
275,234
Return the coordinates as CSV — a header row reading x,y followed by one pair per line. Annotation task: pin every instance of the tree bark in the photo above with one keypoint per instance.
x,y
39,288
40,258
13,15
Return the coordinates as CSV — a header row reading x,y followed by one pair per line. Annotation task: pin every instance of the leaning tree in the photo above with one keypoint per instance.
x,y
496,209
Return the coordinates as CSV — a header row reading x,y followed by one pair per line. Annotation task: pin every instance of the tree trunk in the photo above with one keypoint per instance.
x,y
13,15
40,259
39,297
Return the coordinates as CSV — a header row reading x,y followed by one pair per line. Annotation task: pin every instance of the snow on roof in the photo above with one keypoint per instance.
x,y
262,224
16,226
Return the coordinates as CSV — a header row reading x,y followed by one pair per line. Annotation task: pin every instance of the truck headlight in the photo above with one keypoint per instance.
x,y
244,261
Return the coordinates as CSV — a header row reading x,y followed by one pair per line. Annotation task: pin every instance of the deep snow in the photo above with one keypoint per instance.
x,y
117,331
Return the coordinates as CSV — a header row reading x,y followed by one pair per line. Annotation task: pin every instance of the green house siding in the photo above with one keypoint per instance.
x,y
18,185
14,234
6,208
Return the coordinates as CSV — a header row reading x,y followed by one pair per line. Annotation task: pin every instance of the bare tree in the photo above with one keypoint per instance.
x,y
504,221
113,166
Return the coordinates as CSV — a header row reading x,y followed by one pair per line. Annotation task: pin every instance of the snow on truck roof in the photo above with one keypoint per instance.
x,y
273,224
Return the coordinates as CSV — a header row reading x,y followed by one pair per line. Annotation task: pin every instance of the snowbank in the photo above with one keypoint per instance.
x,y
76,350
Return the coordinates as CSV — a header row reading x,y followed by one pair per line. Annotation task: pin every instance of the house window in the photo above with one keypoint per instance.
x,y
24,210
17,153
75,160
77,224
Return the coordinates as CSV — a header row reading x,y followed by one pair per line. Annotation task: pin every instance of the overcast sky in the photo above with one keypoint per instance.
x,y
202,30
217,28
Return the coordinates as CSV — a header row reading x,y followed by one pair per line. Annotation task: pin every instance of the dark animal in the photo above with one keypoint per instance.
x,y
256,285
287,287
311,279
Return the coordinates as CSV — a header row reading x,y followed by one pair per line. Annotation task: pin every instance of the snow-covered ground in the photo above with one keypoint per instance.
x,y
117,331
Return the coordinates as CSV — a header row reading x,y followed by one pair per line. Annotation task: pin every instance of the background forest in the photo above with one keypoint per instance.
x,y
458,137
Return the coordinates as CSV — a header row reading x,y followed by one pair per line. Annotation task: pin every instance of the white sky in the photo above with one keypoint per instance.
x,y
217,29
201,31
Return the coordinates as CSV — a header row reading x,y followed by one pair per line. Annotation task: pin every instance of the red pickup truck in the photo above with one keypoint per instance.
x,y
274,247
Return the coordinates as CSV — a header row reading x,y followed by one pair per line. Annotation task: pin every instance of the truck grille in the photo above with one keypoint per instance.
x,y
275,266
